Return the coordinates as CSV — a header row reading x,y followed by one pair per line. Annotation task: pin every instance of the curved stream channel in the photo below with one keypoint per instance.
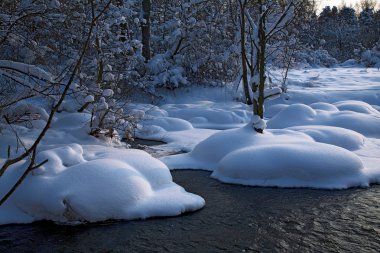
x,y
235,219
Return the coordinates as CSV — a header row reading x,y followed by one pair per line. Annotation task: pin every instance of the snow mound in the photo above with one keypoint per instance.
x,y
336,136
209,152
313,165
365,122
148,109
324,107
94,183
356,106
297,114
282,158
59,158
178,134
167,123
274,109
206,114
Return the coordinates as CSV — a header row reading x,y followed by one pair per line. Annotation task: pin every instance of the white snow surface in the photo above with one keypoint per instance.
x,y
325,135
313,157
359,118
87,180
211,115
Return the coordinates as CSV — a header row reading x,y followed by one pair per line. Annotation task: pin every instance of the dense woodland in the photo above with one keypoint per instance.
x,y
172,43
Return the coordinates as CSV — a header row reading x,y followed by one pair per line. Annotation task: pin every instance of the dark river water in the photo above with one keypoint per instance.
x,y
235,219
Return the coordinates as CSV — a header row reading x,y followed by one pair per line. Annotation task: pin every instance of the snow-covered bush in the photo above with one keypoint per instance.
x,y
165,72
37,68
111,118
21,83
315,58
63,90
371,58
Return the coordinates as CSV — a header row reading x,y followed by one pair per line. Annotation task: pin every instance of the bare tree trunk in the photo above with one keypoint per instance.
x,y
262,67
100,67
145,29
248,99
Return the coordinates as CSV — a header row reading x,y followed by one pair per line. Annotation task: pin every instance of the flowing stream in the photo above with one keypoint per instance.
x,y
235,219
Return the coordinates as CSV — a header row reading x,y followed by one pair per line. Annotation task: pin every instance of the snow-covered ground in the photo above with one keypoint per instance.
x,y
323,133
87,180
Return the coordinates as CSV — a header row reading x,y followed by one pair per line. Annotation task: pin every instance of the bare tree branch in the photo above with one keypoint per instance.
x,y
33,149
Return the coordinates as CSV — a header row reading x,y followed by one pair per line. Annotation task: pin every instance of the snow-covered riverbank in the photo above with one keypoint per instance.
x,y
324,133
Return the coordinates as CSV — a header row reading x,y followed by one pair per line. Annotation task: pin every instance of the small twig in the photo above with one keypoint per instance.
x,y
30,168
15,132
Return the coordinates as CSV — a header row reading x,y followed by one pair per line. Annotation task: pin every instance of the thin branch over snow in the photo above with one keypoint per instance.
x,y
33,149
26,69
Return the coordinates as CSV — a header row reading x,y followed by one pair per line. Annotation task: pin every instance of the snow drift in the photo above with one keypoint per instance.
x,y
282,158
87,182
359,117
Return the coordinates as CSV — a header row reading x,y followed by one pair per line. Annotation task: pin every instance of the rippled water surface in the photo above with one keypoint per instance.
x,y
235,219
